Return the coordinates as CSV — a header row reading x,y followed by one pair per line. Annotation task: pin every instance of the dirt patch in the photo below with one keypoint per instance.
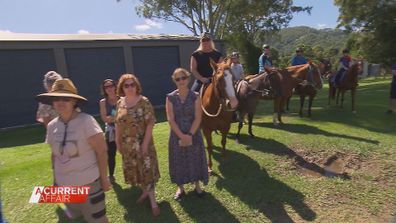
x,y
322,164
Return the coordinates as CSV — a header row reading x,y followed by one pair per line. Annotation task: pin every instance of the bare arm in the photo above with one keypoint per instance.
x,y
46,120
118,138
98,143
198,116
171,118
103,113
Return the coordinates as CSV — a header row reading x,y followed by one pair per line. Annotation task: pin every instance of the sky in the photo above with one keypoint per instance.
x,y
110,16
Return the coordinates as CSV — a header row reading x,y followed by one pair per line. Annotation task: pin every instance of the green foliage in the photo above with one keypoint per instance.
x,y
316,44
375,25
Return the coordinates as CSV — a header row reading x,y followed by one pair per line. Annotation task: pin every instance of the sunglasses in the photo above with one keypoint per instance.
x,y
130,85
181,78
109,86
64,99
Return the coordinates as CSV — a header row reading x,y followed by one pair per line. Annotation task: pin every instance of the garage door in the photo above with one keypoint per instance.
x,y
21,73
154,66
88,67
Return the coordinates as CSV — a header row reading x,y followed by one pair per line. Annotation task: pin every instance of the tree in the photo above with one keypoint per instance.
x,y
243,23
375,24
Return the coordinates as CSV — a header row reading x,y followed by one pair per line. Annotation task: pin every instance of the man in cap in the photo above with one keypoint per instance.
x,y
264,59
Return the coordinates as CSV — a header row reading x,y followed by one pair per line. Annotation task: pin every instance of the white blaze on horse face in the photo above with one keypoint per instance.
x,y
228,82
230,89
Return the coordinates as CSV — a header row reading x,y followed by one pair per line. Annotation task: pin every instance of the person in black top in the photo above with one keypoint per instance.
x,y
200,61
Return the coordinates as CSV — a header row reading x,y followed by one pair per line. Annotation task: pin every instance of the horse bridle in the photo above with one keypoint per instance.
x,y
223,102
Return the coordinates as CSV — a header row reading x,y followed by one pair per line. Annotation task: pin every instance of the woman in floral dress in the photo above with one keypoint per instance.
x,y
135,120
187,157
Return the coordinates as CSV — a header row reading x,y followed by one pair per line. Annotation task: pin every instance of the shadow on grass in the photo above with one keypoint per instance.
x,y
280,149
260,191
141,212
206,209
307,129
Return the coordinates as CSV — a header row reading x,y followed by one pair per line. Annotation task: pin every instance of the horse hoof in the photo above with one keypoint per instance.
x,y
276,124
210,170
251,135
354,111
237,141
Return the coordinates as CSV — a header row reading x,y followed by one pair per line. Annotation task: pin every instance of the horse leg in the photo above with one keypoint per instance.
x,y
250,119
329,96
208,136
240,124
338,95
310,100
353,100
223,142
281,105
276,111
302,99
287,103
342,99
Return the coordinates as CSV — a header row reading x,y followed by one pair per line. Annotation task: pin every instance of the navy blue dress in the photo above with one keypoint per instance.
x,y
186,164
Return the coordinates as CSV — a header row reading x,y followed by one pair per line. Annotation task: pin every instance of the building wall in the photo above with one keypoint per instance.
x,y
87,63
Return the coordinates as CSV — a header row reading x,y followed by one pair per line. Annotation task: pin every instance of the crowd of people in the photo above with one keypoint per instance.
x,y
84,154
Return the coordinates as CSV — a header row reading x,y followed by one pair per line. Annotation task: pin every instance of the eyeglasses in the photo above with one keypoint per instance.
x,y
64,99
181,78
129,85
109,86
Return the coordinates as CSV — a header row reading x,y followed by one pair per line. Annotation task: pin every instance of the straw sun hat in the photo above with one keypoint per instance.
x,y
61,88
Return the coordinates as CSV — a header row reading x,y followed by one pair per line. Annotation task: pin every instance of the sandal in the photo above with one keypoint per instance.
x,y
179,195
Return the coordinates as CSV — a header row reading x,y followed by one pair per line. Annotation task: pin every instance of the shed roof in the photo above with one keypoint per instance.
x,y
91,37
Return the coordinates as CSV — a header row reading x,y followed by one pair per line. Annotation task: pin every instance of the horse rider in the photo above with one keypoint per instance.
x,y
200,61
265,59
344,62
236,67
298,59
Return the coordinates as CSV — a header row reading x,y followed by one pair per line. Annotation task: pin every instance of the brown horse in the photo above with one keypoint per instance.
x,y
309,88
349,82
249,92
218,103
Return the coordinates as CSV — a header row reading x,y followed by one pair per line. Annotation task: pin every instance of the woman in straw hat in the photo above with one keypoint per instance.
x,y
135,121
45,113
78,147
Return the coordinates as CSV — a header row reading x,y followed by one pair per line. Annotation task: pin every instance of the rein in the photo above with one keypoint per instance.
x,y
204,110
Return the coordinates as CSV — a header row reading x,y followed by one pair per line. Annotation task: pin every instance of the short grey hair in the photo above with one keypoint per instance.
x,y
49,79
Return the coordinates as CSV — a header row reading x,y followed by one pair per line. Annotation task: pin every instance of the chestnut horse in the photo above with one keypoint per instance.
x,y
309,88
249,92
218,104
349,82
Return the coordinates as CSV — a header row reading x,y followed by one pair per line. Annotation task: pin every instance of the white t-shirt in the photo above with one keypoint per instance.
x,y
237,71
75,163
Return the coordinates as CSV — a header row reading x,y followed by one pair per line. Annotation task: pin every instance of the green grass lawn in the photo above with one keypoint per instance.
x,y
277,176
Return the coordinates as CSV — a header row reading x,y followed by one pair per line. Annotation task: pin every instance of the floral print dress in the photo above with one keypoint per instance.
x,y
138,170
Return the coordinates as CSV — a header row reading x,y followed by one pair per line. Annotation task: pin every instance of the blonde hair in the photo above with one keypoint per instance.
x,y
211,44
121,81
182,71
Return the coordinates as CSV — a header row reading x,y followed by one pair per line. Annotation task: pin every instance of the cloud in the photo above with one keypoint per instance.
x,y
83,31
4,31
148,24
322,26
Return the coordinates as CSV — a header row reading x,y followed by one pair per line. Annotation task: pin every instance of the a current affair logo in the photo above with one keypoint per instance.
x,y
63,194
